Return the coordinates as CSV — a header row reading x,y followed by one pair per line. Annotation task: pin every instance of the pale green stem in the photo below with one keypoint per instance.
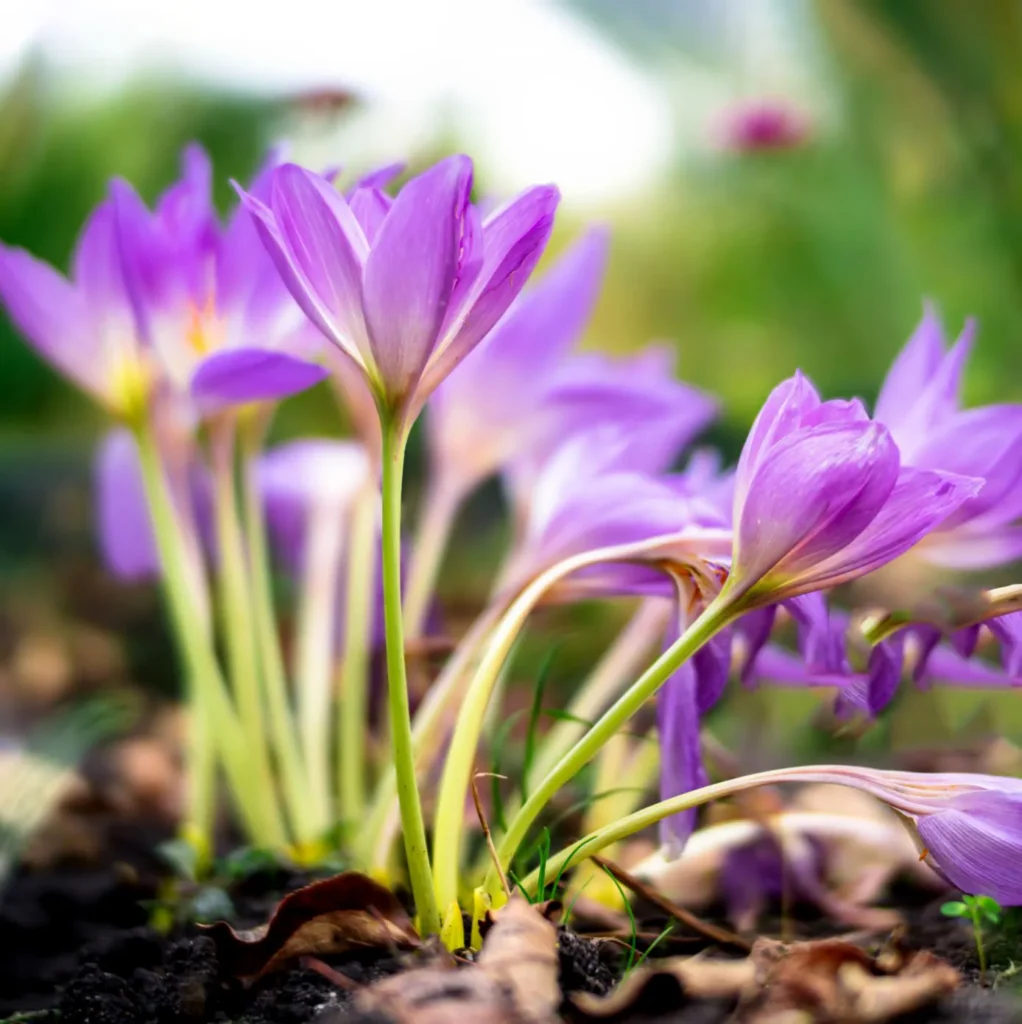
x,y
619,664
439,510
216,725
454,785
234,594
317,616
592,844
432,719
713,619
413,826
305,823
353,691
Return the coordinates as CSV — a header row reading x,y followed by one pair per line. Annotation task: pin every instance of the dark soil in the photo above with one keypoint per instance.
x,y
78,942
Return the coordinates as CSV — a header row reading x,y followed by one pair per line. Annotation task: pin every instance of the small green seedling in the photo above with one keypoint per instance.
x,y
984,912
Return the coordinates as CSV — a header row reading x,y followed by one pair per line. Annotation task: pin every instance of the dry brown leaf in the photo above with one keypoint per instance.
x,y
433,995
520,954
344,912
827,981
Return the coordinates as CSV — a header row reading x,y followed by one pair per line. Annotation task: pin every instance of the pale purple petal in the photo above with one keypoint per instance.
x,y
1008,631
911,371
97,273
782,412
242,375
52,316
410,272
370,206
945,665
977,844
812,494
325,249
970,549
124,528
920,501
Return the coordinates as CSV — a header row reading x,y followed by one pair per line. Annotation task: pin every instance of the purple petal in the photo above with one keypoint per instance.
x,y
920,501
250,375
872,693
1008,630
967,548
782,412
411,269
812,494
381,177
945,665
911,371
323,254
52,316
370,206
977,844
513,241
96,271
124,528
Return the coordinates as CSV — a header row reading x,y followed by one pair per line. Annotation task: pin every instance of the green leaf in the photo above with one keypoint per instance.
x,y
211,904
955,908
248,860
182,858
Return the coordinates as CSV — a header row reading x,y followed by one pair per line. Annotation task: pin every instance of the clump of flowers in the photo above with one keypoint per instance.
x,y
190,331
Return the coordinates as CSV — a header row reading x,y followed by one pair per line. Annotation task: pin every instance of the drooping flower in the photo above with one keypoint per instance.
x,y
920,404
207,299
406,288
822,497
83,325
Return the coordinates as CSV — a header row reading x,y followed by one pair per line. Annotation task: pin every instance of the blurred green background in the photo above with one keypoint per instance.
x,y
908,184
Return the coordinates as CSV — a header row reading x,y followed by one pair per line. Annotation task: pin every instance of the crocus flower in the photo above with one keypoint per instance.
x,y
207,299
406,288
822,497
920,404
83,325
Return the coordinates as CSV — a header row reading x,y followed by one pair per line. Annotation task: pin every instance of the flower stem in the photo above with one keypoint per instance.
x,y
413,827
215,722
353,692
713,619
238,625
439,511
600,839
303,820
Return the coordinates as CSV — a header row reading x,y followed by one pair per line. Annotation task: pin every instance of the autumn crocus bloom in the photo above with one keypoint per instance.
x,y
822,496
83,325
763,125
206,299
920,404
405,287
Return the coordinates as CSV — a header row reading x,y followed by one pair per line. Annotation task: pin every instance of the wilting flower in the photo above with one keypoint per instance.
x,y
83,325
207,299
822,496
405,287
920,404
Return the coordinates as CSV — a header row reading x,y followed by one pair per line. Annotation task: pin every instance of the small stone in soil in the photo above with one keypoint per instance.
x,y
582,966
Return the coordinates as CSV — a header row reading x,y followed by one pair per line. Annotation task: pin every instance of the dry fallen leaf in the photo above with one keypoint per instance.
x,y
344,912
520,954
827,981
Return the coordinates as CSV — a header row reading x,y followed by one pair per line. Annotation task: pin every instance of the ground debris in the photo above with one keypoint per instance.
x,y
348,911
824,982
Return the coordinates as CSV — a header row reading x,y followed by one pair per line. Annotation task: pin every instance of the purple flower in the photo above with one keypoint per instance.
x,y
969,826
821,497
497,403
920,404
83,325
406,288
207,300
763,125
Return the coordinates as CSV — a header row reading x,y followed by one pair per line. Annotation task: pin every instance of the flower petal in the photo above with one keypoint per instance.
x,y
125,532
53,317
919,502
370,206
813,493
977,844
244,375
513,241
410,272
914,366
326,251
